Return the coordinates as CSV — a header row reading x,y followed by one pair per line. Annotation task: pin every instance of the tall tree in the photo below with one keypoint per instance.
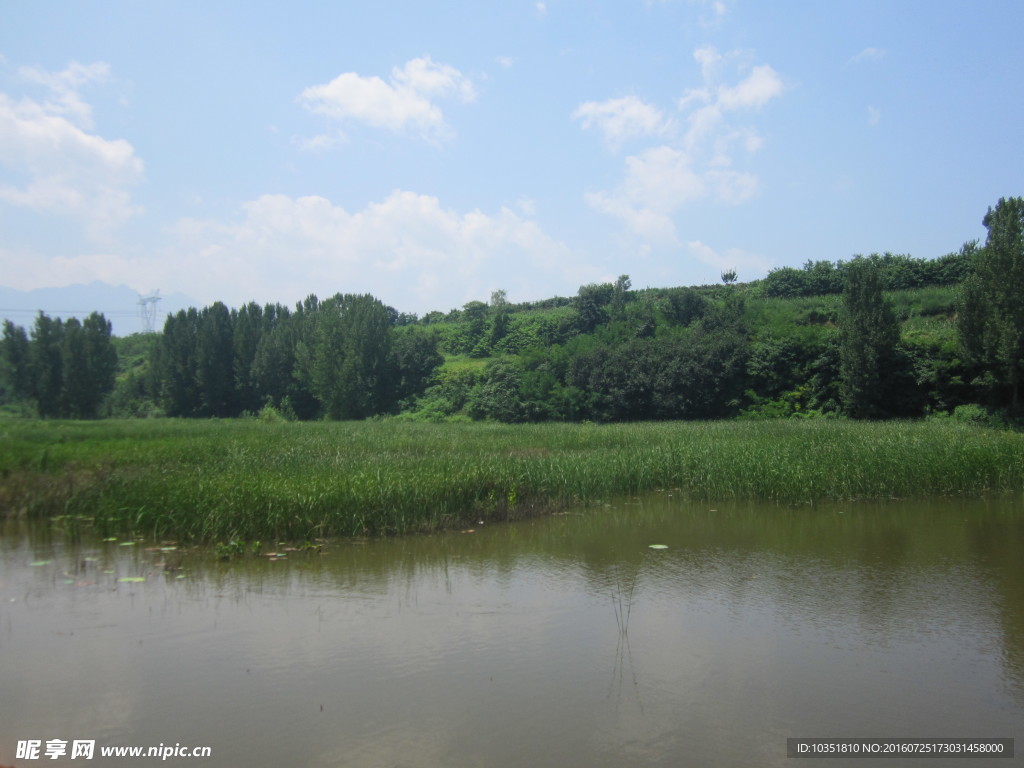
x,y
350,360
46,362
991,317
499,318
101,370
868,334
175,364
215,361
591,302
414,359
273,363
74,394
17,373
475,314
250,323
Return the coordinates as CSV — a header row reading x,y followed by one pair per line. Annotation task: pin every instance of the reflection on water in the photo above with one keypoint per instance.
x,y
562,641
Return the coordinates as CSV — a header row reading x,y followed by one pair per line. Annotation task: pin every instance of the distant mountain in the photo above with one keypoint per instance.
x,y
118,303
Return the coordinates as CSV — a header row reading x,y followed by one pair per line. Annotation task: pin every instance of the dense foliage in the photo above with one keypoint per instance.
x,y
897,272
873,337
65,368
868,335
992,309
341,358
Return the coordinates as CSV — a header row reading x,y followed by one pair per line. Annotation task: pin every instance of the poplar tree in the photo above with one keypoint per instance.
x,y
46,363
174,364
97,379
991,317
15,359
215,361
868,334
351,370
75,400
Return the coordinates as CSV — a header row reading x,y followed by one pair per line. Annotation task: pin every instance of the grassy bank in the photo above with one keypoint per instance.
x,y
219,480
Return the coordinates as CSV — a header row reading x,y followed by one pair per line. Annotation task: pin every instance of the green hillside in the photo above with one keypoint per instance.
x,y
884,336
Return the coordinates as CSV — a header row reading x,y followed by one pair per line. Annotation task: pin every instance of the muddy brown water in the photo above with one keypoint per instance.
x,y
561,641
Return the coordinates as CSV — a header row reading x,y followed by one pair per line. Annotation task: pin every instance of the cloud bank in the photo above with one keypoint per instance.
x,y
62,166
695,160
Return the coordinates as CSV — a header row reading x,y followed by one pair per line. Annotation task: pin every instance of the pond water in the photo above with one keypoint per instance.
x,y
561,641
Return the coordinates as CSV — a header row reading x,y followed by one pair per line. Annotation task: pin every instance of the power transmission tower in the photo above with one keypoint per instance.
x,y
147,310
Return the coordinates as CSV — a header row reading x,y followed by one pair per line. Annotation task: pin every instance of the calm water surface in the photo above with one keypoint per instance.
x,y
564,641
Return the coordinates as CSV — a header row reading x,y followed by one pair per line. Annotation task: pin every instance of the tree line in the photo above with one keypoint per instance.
x,y
339,358
896,271
820,341
66,367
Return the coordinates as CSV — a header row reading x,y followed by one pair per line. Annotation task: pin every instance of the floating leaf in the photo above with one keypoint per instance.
x,y
127,543
40,562
658,546
131,579
112,538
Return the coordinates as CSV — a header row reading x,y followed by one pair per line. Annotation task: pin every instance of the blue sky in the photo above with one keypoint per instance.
x,y
432,152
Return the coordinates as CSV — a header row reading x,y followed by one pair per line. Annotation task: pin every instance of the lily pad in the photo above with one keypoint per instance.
x,y
658,546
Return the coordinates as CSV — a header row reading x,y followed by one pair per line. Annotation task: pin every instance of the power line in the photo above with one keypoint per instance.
x,y
112,313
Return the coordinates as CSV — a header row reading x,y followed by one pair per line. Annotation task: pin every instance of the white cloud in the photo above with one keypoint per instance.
x,y
694,160
63,167
715,10
874,116
709,58
408,250
622,119
760,86
423,76
405,102
321,142
715,14
63,86
527,206
732,186
868,54
657,183
505,61
542,8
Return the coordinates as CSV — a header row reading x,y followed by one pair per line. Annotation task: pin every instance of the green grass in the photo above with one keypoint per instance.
x,y
222,480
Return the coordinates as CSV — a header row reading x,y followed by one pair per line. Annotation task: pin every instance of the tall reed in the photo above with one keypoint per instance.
x,y
219,480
